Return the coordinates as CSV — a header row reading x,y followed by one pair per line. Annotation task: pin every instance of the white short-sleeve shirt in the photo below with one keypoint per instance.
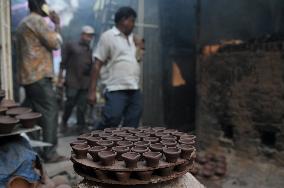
x,y
121,70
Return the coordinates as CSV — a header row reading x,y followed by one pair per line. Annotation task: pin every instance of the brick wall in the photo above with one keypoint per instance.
x,y
241,101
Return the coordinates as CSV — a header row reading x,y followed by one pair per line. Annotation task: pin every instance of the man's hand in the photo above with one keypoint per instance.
x,y
92,98
54,17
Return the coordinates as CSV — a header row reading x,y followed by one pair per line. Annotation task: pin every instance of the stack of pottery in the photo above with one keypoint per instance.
x,y
11,115
127,155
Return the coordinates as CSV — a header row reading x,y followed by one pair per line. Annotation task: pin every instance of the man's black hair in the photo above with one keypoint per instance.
x,y
124,13
35,5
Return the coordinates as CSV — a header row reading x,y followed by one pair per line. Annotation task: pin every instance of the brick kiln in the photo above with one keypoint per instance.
x,y
241,96
128,156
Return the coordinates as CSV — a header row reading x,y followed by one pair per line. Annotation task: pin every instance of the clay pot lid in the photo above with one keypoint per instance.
x,y
131,155
172,150
78,142
142,143
151,154
120,149
6,120
97,148
106,154
18,111
125,143
8,103
28,116
81,147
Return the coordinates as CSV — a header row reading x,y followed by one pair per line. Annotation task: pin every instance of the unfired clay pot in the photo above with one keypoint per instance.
x,y
125,143
81,151
106,143
131,159
95,150
92,141
107,157
169,143
7,124
78,142
157,147
18,111
132,138
152,140
29,120
152,158
120,150
142,143
186,151
172,154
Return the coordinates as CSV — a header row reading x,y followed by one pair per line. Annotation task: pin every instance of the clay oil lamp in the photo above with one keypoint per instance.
x,y
169,138
97,133
93,151
124,134
7,124
120,150
7,103
145,175
152,140
85,136
178,134
182,167
169,143
125,143
3,110
188,136
106,143
159,129
107,157
110,130
115,139
140,149
142,135
81,151
158,147
170,131
92,141
29,120
122,176
161,134
78,142
135,131
172,154
132,138
18,111
142,143
186,151
127,128
105,135
186,141
152,158
131,159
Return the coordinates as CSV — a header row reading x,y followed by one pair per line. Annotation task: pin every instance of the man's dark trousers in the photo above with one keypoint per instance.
x,y
123,106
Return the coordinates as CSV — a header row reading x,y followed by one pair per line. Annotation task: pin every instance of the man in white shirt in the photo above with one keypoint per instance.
x,y
115,61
